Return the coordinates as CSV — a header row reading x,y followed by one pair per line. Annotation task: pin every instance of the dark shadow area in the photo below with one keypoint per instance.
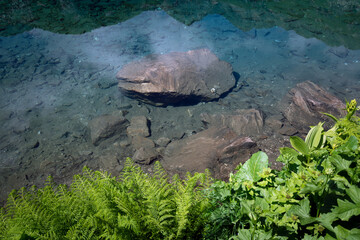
x,y
180,100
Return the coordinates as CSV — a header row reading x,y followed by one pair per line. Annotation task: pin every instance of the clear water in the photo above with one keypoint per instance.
x,y
52,85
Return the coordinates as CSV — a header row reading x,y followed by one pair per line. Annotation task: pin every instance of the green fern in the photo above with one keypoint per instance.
x,y
98,206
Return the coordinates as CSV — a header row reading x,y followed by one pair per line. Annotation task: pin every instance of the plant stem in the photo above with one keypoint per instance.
x,y
322,196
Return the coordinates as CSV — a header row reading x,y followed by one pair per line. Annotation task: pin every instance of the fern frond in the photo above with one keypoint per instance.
x,y
98,206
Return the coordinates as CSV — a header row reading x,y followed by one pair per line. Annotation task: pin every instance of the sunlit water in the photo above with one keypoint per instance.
x,y
52,85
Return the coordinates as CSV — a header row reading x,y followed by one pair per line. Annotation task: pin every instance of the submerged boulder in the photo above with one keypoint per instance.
x,y
218,149
106,126
244,122
138,127
305,104
176,78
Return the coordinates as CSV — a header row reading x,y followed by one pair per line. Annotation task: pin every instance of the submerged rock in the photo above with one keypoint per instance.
x,y
177,78
105,126
341,51
145,151
138,127
305,104
145,155
244,122
218,149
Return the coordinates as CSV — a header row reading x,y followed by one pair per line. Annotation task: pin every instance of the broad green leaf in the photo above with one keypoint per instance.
x,y
243,234
261,202
224,193
247,206
327,219
314,137
345,209
253,167
288,155
262,235
288,151
340,163
311,188
352,143
354,193
341,181
299,145
350,146
343,233
302,211
310,237
329,237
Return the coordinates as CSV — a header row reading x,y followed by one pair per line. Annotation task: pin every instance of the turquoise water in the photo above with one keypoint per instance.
x,y
52,85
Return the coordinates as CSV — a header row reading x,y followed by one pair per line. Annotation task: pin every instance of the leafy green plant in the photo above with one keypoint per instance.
x,y
315,196
98,206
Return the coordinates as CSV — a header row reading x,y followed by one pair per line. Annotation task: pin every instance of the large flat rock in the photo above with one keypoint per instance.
x,y
218,149
244,122
177,78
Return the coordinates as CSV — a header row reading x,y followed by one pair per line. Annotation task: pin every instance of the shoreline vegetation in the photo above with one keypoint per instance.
x,y
332,21
316,195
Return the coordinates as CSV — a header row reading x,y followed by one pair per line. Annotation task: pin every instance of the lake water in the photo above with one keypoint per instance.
x,y
52,85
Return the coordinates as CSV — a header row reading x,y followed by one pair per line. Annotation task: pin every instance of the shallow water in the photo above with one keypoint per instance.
x,y
52,85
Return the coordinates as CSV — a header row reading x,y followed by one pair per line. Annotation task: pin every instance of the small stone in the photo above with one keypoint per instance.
x,y
109,161
138,127
124,143
105,126
86,153
145,155
341,51
274,122
160,150
139,141
162,142
20,126
288,130
106,85
123,106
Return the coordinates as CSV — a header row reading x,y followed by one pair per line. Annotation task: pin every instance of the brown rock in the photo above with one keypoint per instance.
x,y
304,105
163,141
227,151
274,122
145,151
145,155
110,163
138,127
288,130
243,121
105,126
176,77
124,143
210,149
139,141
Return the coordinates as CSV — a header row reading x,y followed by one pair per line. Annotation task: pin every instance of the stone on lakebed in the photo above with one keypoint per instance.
x,y
176,78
